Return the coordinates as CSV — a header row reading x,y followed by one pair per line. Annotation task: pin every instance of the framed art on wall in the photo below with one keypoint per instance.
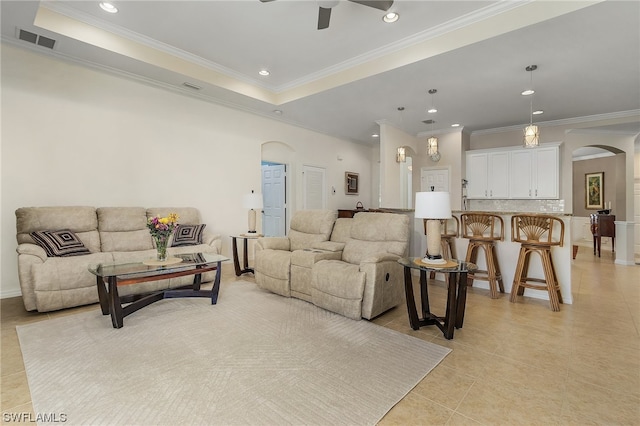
x,y
594,190
351,183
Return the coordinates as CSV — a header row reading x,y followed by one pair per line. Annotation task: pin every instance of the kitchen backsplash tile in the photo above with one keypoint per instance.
x,y
529,206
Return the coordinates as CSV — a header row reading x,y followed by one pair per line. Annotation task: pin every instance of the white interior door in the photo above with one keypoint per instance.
x,y
314,188
274,184
437,178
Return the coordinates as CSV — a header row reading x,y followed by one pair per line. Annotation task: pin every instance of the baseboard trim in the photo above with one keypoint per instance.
x,y
625,262
8,294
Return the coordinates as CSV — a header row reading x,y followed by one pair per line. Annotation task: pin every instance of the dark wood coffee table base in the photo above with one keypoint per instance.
x,y
112,303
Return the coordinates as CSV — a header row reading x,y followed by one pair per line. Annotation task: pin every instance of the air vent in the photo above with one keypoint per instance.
x,y
428,121
191,86
34,38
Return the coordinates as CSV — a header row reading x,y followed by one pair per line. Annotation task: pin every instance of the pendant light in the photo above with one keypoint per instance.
x,y
531,132
432,142
401,154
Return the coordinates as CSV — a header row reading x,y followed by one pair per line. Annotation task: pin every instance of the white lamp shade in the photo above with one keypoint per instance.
x,y
433,205
252,201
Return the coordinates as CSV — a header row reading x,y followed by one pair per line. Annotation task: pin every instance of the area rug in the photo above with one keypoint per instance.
x,y
255,358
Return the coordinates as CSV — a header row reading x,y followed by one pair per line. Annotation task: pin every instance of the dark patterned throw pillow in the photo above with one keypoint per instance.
x,y
187,235
60,243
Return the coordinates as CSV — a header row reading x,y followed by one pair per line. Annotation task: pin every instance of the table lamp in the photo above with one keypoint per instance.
x,y
433,206
252,202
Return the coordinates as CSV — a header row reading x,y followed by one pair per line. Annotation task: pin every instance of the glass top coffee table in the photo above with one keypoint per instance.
x,y
110,276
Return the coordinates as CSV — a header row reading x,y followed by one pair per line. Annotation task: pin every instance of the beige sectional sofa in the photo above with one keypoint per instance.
x,y
347,265
111,234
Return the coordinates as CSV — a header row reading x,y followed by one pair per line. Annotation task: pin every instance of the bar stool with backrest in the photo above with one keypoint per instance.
x,y
537,234
450,231
483,230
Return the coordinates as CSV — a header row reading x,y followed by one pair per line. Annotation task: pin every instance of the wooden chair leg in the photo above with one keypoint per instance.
x,y
555,279
553,287
525,270
497,268
472,257
452,248
519,274
552,282
491,271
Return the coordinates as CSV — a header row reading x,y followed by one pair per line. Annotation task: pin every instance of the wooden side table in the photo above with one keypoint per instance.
x,y
245,262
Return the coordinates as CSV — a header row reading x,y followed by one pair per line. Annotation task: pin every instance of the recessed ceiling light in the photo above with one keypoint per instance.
x,y
277,112
108,7
390,17
432,110
528,92
264,72
375,135
538,112
455,125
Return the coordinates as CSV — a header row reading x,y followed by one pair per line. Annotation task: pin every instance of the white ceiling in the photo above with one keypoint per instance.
x,y
343,80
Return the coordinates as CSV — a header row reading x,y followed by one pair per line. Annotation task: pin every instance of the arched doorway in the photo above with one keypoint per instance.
x,y
598,161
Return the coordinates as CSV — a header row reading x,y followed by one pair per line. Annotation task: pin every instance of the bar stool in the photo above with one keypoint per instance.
x,y
483,230
450,231
537,234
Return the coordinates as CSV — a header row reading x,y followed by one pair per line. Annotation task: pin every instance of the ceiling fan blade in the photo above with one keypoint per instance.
x,y
323,18
265,1
378,4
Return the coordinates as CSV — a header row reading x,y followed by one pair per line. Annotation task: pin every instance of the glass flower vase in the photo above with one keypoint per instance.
x,y
161,248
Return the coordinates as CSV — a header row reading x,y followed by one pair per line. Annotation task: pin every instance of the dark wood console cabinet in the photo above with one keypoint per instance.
x,y
602,225
350,213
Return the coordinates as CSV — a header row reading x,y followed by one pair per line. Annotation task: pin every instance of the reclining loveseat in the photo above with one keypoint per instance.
x,y
347,265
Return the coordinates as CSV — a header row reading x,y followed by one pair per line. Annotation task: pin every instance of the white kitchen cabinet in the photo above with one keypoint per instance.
x,y
488,175
514,173
498,175
477,175
535,173
521,180
547,173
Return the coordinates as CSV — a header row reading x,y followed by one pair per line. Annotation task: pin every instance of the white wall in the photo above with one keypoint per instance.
x,y
391,138
76,136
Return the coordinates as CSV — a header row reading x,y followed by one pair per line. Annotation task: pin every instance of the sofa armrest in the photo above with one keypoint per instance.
x,y
381,257
329,246
30,256
212,239
33,250
274,243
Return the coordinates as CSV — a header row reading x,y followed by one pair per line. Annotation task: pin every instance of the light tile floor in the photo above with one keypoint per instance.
x,y
511,363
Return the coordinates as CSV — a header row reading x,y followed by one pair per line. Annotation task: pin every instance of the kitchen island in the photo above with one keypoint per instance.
x,y
508,251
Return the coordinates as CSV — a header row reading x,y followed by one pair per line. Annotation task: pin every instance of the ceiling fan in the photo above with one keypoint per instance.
x,y
324,14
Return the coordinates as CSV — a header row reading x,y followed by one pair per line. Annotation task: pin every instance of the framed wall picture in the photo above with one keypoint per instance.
x,y
594,190
351,183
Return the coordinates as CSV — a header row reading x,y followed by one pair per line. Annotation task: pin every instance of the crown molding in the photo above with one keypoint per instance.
x,y
567,121
429,133
439,30
149,42
458,23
